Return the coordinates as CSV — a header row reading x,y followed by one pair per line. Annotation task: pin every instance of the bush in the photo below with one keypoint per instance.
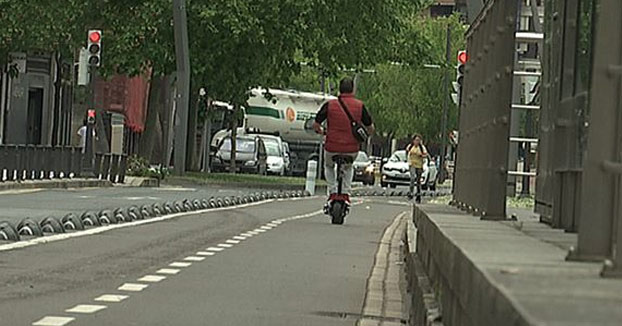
x,y
140,167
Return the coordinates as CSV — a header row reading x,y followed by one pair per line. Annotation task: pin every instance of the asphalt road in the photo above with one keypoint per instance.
x,y
38,204
301,270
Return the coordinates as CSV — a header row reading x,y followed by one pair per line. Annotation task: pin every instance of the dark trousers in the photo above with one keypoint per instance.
x,y
415,180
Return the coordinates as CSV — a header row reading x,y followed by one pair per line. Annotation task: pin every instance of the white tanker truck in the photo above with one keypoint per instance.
x,y
283,113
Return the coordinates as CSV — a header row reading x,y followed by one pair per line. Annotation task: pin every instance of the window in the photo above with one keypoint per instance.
x,y
399,157
241,146
273,149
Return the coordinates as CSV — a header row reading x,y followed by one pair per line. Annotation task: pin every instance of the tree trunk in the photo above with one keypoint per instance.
x,y
191,162
148,139
234,136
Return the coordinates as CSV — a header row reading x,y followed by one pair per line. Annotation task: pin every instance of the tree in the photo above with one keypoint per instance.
x,y
407,98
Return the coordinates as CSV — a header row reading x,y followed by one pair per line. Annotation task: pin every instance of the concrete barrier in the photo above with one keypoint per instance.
x,y
491,273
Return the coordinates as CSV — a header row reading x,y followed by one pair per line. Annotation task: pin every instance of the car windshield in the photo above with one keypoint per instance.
x,y
272,148
399,157
241,146
362,157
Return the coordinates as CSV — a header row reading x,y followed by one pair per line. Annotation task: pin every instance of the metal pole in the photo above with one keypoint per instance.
x,y
87,159
182,52
443,174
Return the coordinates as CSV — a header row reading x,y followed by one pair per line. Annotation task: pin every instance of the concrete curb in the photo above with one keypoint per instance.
x,y
55,184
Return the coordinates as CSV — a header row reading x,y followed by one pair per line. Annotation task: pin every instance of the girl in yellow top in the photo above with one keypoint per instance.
x,y
416,155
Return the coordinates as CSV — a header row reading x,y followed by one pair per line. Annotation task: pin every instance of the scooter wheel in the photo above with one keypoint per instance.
x,y
337,212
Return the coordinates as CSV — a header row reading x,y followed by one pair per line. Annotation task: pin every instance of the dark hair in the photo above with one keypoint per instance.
x,y
417,136
346,86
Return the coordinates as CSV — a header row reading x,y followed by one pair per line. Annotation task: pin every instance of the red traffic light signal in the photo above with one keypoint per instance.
x,y
463,57
95,36
94,47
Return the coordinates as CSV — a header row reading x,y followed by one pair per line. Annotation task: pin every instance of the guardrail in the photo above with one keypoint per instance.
x,y
30,162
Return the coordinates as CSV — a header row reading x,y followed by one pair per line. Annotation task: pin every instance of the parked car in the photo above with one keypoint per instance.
x,y
364,169
276,154
251,156
396,172
429,179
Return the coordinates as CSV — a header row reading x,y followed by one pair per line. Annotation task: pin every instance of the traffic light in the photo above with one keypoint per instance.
x,y
463,58
94,48
90,117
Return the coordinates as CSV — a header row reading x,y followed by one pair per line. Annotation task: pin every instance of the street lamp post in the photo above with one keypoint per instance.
x,y
183,84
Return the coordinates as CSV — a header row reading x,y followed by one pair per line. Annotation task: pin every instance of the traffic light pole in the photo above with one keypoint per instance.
x,y
443,174
88,155
183,84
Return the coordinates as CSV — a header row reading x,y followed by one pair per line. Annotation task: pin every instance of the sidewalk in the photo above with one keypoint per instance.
x,y
54,184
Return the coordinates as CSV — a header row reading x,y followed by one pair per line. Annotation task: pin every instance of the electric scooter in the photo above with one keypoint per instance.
x,y
339,209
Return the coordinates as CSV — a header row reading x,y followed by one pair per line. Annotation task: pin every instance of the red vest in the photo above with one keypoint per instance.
x,y
339,138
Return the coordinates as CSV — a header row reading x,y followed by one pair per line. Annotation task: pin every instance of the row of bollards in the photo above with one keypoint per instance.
x,y
29,228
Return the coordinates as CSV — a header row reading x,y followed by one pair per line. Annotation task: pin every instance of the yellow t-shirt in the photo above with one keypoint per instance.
x,y
415,156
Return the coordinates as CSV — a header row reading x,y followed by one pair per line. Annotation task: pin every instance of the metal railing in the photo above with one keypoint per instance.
x,y
29,162
110,167
485,112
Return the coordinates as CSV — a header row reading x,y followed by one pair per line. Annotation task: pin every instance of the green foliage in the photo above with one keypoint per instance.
x,y
140,167
408,98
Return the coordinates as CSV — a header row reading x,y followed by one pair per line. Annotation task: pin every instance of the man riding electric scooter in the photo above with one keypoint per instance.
x,y
348,123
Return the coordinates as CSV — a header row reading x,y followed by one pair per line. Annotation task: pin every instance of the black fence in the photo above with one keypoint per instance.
x,y
111,167
29,162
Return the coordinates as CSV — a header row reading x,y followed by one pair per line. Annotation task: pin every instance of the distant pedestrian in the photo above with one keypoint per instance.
x,y
417,153
82,134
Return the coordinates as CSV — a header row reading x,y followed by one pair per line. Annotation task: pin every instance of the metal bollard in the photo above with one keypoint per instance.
x,y
311,175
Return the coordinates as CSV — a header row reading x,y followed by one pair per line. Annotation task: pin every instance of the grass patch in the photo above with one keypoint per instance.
x,y
240,179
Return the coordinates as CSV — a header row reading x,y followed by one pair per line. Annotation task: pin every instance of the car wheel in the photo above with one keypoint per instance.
x,y
433,187
383,184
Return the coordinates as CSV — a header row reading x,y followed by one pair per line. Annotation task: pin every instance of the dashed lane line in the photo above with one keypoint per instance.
x,y
168,271
152,278
180,264
215,249
240,238
113,298
132,287
205,253
225,245
194,258
232,241
86,309
53,321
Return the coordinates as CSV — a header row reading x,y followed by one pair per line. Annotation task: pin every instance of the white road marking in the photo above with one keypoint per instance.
x,y
240,238
179,264
267,227
19,192
175,189
233,241
277,222
273,224
111,298
168,271
65,236
53,321
225,245
253,233
215,249
194,258
260,230
205,253
86,309
152,278
132,287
